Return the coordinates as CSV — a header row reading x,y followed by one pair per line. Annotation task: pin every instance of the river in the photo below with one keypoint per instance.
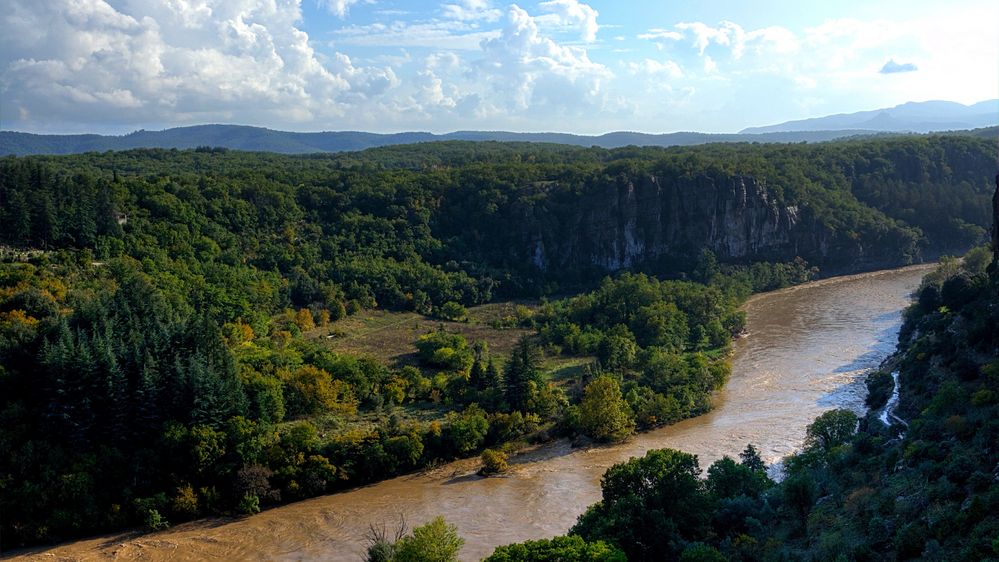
x,y
806,352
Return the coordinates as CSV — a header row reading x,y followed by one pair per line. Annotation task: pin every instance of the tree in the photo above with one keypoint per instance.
x,y
728,479
651,506
437,541
750,458
522,374
468,430
310,390
617,352
452,311
831,429
445,350
604,414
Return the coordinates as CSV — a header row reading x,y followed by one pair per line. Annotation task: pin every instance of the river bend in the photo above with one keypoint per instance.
x,y
806,352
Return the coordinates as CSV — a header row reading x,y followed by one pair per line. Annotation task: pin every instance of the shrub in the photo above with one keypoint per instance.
x,y
248,505
494,462
453,311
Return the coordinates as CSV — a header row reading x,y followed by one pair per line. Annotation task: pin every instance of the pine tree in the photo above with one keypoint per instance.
x,y
493,378
16,223
522,374
477,375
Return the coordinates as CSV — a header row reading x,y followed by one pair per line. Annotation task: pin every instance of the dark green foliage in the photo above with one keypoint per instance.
x,y
522,376
698,552
831,429
651,506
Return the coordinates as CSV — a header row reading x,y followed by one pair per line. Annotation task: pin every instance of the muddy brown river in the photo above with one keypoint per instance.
x,y
806,352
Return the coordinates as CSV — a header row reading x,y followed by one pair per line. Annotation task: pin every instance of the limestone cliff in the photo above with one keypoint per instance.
x,y
635,222
994,266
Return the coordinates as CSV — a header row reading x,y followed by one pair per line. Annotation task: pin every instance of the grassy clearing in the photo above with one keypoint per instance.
x,y
563,369
330,425
389,336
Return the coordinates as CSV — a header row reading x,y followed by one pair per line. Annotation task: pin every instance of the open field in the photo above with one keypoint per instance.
x,y
390,336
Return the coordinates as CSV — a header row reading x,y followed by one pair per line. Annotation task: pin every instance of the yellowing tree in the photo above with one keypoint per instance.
x,y
309,391
303,319
603,414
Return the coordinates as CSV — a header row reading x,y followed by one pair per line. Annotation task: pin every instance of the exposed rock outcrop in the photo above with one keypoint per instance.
x,y
632,223
994,266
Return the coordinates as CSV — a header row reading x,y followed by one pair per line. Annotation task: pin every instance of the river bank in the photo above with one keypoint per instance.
x,y
807,351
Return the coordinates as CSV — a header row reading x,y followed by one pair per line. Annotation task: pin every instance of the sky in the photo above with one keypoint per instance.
x,y
586,67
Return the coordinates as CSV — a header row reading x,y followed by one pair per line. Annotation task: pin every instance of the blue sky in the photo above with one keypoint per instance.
x,y
113,66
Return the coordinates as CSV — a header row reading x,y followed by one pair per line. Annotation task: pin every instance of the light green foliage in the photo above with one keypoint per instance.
x,y
248,505
559,549
655,336
604,414
445,350
453,311
170,361
437,541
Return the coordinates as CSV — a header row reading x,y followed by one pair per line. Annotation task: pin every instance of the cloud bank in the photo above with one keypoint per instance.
x,y
117,65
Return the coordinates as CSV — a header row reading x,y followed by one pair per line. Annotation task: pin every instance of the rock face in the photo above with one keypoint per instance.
x,y
994,266
639,222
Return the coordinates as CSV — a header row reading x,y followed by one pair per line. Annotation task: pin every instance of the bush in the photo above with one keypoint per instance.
x,y
249,505
453,311
185,503
153,521
558,549
494,462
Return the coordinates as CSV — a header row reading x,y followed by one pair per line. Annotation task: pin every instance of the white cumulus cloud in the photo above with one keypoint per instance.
x,y
180,61
534,72
338,7
574,14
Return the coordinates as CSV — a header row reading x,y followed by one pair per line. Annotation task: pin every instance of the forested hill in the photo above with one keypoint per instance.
x,y
516,214
239,137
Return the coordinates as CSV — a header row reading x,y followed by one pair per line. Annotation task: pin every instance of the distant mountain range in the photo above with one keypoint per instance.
x,y
239,137
912,117
909,117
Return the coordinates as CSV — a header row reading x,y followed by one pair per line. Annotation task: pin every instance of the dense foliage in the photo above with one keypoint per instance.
x,y
661,340
159,313
923,488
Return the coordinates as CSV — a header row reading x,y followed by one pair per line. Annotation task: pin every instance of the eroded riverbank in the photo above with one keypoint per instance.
x,y
806,352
